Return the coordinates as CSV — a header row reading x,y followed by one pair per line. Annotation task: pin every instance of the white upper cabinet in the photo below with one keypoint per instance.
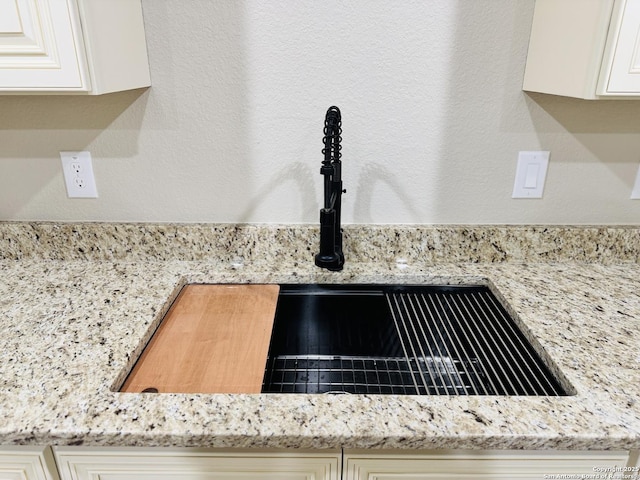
x,y
72,46
585,49
622,62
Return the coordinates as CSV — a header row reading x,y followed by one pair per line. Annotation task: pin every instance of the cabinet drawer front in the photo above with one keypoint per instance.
x,y
479,465
27,463
193,464
196,474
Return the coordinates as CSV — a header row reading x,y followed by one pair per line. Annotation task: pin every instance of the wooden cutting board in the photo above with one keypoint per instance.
x,y
214,339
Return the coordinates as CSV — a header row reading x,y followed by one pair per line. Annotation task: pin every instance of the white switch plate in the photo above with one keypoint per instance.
x,y
635,193
530,174
78,175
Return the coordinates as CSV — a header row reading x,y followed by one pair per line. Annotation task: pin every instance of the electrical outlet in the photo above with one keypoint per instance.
x,y
78,175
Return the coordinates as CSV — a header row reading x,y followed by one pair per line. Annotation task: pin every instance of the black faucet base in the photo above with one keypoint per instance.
x,y
330,256
334,263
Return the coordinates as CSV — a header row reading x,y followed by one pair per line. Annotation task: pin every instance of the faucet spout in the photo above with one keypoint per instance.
x,y
331,256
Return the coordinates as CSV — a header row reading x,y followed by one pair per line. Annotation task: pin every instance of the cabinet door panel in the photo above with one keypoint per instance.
x,y
38,45
10,18
194,464
624,74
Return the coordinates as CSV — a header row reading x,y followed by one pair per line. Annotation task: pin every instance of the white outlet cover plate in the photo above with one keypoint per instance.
x,y
530,174
78,175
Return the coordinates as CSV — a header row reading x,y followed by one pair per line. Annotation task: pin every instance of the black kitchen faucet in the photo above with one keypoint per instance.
x,y
331,256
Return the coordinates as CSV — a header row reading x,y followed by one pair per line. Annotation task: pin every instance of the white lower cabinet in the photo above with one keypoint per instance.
x,y
27,463
195,464
485,465
114,463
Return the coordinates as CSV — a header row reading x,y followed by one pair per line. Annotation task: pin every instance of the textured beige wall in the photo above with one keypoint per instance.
x,y
433,118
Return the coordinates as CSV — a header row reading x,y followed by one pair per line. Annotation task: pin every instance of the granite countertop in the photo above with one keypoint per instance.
x,y
79,302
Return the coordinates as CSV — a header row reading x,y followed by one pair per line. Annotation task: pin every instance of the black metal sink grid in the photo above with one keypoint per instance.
x,y
400,339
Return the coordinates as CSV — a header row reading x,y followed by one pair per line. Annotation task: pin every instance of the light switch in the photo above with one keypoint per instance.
x,y
530,174
635,193
531,177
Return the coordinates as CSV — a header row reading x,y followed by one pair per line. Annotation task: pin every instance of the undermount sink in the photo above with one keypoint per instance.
x,y
401,339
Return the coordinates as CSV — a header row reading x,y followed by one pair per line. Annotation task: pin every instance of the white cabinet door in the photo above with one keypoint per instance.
x,y
27,463
622,67
72,46
585,49
194,464
39,45
480,465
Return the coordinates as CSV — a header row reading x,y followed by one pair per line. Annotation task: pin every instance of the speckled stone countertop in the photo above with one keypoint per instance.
x,y
79,302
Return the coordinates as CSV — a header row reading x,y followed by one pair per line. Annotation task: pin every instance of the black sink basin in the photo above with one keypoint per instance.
x,y
400,339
